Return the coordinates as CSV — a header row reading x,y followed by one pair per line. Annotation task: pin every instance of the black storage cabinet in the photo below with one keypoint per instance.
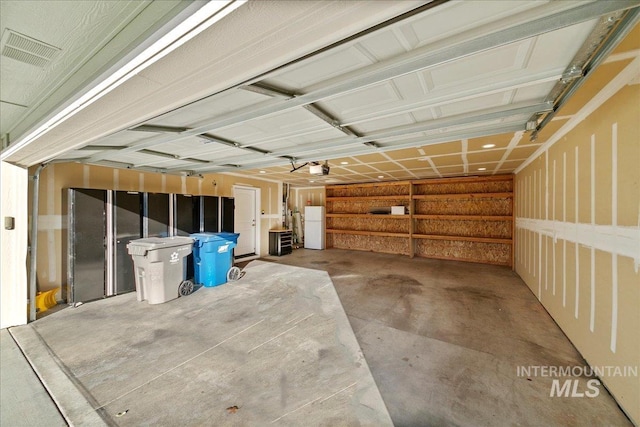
x,y
280,242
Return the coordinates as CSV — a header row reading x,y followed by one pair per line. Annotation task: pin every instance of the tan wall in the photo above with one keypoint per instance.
x,y
578,237
57,177
309,196
270,200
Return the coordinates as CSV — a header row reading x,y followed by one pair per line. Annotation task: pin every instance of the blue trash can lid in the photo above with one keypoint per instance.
x,y
206,237
229,236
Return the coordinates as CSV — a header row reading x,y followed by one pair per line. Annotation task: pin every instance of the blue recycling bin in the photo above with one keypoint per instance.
x,y
229,236
212,258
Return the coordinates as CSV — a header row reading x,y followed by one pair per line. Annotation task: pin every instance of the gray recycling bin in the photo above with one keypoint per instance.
x,y
160,265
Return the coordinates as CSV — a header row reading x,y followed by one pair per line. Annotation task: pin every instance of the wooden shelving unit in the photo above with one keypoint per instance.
x,y
461,238
367,233
350,225
465,219
365,198
463,196
370,216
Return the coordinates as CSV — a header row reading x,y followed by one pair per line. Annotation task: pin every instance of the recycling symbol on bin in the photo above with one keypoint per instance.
x,y
174,257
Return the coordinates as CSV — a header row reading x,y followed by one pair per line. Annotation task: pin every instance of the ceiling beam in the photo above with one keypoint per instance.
x,y
417,141
476,90
374,140
159,129
330,120
268,90
435,100
348,151
100,148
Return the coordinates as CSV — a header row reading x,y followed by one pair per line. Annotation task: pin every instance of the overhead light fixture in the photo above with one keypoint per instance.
x,y
488,145
263,171
344,163
380,176
482,169
203,18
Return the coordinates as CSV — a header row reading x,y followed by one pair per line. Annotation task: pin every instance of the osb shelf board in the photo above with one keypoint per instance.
x,y
467,218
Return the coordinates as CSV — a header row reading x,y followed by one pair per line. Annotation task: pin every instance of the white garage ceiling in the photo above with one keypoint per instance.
x,y
376,102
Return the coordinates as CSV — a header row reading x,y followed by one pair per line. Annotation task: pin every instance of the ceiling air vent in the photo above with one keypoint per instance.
x,y
26,49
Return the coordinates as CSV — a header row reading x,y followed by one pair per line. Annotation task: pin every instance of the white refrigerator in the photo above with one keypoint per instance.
x,y
314,227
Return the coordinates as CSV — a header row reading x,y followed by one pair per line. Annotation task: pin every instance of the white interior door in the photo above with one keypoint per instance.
x,y
245,220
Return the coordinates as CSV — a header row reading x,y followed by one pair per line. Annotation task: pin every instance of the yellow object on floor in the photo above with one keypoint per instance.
x,y
45,300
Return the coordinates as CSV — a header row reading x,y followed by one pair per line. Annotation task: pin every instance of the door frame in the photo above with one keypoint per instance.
x,y
258,215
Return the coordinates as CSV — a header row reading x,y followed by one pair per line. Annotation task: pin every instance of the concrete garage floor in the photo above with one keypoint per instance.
x,y
444,341
23,399
273,348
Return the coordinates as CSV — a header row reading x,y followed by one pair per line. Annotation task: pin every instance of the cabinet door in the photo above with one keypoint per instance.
x,y
157,215
128,227
227,209
187,218
210,214
87,244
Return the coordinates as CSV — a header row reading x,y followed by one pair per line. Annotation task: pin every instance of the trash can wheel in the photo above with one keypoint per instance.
x,y
185,288
233,274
